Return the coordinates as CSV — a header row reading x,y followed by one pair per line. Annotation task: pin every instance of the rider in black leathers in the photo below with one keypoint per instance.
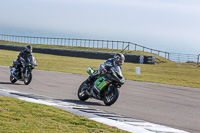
x,y
118,60
23,55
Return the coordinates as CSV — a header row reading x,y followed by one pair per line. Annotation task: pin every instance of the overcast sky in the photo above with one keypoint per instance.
x,y
168,25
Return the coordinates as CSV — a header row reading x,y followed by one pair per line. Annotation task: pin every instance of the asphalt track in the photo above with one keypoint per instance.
x,y
173,106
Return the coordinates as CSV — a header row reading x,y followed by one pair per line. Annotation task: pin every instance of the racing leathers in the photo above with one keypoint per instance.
x,y
23,56
103,69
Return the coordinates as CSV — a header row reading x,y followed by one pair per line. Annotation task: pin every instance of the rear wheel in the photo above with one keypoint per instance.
x,y
82,95
111,97
12,79
28,79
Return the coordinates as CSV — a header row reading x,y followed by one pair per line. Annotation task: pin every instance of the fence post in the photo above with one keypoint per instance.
x,y
30,40
128,46
47,40
198,59
64,41
112,44
80,42
97,43
69,42
61,41
72,42
168,55
135,47
33,40
51,41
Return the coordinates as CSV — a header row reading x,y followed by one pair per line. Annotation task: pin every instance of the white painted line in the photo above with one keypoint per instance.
x,y
37,101
135,127
121,125
155,127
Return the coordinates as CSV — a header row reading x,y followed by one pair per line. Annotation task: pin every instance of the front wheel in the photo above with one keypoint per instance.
x,y
82,95
111,97
12,79
28,78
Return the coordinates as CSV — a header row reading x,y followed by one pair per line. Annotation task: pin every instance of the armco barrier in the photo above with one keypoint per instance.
x,y
142,59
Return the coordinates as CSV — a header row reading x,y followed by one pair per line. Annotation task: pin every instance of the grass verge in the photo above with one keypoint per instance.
x,y
18,116
182,74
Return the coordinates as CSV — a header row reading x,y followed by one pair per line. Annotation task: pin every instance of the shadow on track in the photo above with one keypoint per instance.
x,y
80,102
9,83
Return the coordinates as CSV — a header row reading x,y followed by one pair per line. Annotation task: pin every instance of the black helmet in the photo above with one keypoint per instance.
x,y
29,49
119,58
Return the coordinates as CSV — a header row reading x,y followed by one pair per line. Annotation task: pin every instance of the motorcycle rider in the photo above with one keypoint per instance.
x,y
23,55
117,60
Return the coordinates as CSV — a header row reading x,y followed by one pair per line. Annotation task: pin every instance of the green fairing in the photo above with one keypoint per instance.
x,y
100,83
90,71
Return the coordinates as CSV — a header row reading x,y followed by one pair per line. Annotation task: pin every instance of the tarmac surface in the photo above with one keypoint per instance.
x,y
173,106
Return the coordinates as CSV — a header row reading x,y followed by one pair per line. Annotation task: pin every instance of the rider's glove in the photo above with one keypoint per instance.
x,y
104,70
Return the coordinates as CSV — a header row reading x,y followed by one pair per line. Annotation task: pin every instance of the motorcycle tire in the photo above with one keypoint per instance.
x,y
12,79
81,93
113,98
29,79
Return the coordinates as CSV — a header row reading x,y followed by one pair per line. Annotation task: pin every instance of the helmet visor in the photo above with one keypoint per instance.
x,y
30,50
121,61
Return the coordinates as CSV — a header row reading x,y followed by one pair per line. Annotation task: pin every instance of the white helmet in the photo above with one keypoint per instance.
x,y
119,59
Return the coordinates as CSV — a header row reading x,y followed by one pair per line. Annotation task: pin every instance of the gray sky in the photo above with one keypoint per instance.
x,y
168,25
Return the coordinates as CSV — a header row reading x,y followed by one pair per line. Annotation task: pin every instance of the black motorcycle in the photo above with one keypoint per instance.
x,y
105,87
24,73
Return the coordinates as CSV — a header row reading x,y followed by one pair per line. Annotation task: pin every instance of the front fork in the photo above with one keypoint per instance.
x,y
26,72
12,70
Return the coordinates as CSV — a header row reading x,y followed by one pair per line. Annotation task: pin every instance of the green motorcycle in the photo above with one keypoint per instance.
x,y
104,87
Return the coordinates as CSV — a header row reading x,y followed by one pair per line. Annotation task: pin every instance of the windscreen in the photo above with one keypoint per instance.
x,y
33,60
117,70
